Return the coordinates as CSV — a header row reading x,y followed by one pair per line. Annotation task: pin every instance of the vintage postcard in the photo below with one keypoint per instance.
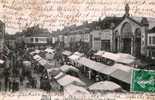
x,y
77,49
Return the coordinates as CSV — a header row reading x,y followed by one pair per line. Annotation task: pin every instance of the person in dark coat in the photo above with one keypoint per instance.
x,y
6,77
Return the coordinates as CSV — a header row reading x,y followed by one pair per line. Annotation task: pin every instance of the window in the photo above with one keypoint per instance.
x,y
105,45
138,33
31,39
153,54
153,40
36,39
126,29
116,33
96,38
150,40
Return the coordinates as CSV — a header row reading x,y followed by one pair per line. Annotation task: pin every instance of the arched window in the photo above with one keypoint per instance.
x,y
138,33
116,33
126,30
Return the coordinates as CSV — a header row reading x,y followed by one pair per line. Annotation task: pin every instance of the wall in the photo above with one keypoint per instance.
x,y
40,40
134,26
98,35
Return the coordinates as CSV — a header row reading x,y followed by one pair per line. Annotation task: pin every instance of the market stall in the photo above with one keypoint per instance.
x,y
66,54
75,90
35,52
68,69
53,72
37,57
104,86
49,50
68,79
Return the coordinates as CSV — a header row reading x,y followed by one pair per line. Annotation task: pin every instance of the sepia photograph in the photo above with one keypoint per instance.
x,y
77,48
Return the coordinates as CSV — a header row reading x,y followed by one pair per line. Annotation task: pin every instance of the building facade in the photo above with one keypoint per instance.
x,y
75,36
102,39
2,35
36,40
125,34
2,66
130,35
151,43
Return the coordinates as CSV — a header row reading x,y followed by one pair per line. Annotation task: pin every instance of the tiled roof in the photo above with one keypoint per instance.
x,y
40,35
152,30
107,21
151,21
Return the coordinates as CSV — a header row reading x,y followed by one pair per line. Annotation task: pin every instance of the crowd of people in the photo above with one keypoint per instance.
x,y
16,74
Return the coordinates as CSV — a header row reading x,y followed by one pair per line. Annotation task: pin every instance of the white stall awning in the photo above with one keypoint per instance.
x,y
66,68
74,57
49,50
1,61
68,79
99,53
104,86
37,57
75,90
67,53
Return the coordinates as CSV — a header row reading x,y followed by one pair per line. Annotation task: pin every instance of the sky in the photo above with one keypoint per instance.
x,y
57,14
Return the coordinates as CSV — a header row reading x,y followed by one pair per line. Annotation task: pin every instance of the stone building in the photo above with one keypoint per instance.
x,y
74,35
37,40
2,34
36,37
151,43
101,39
125,34
130,35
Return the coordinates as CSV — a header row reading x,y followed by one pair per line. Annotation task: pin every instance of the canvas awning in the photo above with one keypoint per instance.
x,y
125,55
122,75
74,57
99,53
53,71
120,57
49,66
110,55
37,57
125,58
67,53
108,70
1,61
61,74
49,56
99,67
66,68
122,67
27,63
78,54
49,50
43,62
75,90
68,79
36,51
125,61
118,71
46,64
104,86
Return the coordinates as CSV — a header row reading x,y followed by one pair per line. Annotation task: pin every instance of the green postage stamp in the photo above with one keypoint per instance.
x,y
143,81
